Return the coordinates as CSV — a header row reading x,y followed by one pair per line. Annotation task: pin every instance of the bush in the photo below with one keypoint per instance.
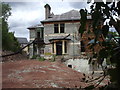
x,y
34,56
41,59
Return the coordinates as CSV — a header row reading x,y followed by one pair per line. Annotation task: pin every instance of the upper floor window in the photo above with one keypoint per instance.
x,y
59,28
56,28
40,33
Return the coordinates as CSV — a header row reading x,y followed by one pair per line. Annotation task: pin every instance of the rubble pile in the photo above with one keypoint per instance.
x,y
15,57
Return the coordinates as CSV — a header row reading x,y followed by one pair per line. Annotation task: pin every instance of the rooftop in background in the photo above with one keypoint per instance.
x,y
35,26
22,40
68,16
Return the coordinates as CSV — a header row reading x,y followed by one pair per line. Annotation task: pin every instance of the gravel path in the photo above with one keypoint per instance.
x,y
36,74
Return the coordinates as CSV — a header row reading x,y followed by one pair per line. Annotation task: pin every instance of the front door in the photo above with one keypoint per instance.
x,y
59,48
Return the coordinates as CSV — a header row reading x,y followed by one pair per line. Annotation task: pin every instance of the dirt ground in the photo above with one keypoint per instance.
x,y
39,74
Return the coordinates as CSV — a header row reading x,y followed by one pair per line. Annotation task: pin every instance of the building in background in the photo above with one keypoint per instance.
x,y
23,42
37,34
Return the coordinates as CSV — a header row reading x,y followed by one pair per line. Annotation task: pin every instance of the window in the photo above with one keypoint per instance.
x,y
65,46
56,30
59,28
52,47
42,33
38,34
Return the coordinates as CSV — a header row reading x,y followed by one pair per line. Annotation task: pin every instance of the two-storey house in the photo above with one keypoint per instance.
x,y
63,32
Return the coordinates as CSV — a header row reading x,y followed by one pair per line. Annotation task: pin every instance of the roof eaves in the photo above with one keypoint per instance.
x,y
59,20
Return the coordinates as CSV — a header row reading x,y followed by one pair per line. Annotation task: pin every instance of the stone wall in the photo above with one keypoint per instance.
x,y
70,28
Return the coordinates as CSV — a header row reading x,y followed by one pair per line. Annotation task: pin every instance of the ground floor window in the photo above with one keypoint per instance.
x,y
82,46
59,47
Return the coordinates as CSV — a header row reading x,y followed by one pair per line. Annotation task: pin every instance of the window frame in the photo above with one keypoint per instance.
x,y
60,27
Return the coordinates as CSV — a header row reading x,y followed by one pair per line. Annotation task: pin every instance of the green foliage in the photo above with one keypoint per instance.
x,y
113,73
5,10
83,14
41,59
34,57
105,30
110,46
9,42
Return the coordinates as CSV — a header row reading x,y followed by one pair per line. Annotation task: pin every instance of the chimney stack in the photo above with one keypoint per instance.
x,y
47,11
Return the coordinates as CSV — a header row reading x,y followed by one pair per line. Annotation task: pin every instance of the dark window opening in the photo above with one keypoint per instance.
x,y
59,48
56,29
42,34
65,46
61,28
82,47
70,66
53,48
38,34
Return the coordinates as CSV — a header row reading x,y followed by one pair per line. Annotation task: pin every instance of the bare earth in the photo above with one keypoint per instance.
x,y
36,74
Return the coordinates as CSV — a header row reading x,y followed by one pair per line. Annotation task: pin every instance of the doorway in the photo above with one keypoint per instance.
x,y
59,48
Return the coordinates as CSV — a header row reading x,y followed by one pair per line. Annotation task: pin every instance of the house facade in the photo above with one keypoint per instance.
x,y
36,34
61,34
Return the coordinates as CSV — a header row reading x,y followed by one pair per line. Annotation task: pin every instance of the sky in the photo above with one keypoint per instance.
x,y
26,14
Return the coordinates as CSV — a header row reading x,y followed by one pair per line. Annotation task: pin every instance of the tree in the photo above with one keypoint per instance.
x,y
110,45
9,42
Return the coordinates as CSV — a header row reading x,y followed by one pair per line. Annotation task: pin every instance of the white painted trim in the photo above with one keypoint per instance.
x,y
32,38
63,47
54,48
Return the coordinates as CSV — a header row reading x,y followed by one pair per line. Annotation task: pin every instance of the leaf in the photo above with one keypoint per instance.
x,y
83,20
105,30
100,60
113,74
103,53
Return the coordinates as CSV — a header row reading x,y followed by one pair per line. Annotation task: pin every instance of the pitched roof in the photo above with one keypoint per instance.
x,y
35,26
71,15
22,40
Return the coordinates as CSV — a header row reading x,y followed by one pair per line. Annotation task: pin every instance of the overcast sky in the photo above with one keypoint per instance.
x,y
25,14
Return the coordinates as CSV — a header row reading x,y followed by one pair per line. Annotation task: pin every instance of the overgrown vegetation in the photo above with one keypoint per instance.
x,y
110,45
9,42
41,59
